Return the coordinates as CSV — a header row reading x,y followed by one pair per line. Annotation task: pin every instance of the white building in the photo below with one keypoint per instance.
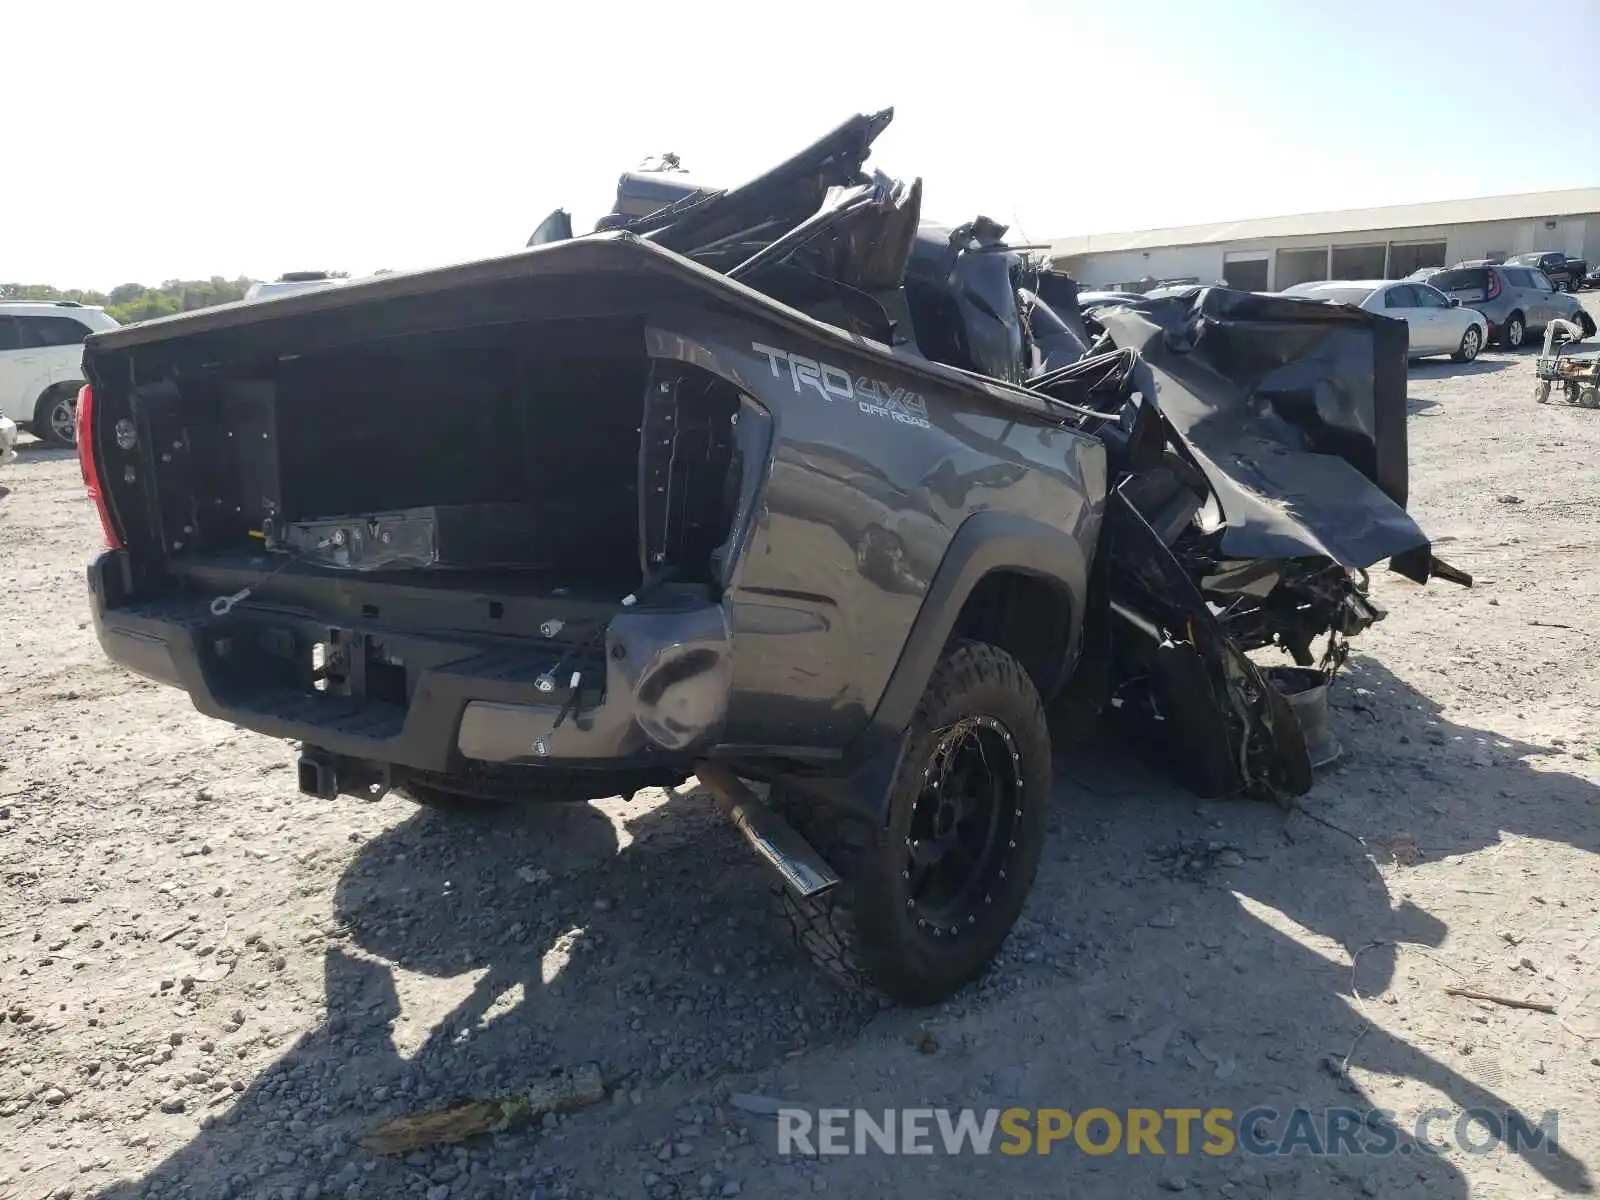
x,y
1272,253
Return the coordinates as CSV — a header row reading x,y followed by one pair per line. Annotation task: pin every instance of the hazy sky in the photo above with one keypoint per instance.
x,y
159,139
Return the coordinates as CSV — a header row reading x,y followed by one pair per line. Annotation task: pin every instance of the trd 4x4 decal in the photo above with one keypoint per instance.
x,y
870,396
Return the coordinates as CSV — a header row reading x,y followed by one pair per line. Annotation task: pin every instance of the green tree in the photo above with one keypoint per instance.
x,y
43,291
130,302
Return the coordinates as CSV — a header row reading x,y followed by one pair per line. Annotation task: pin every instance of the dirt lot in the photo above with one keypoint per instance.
x,y
211,984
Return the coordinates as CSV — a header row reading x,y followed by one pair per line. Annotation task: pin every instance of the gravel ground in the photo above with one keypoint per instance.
x,y
211,984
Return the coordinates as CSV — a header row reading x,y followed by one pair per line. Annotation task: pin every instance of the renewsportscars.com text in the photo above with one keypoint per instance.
x,y
1166,1131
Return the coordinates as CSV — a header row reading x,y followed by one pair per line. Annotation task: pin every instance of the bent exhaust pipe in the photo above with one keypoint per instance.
x,y
796,860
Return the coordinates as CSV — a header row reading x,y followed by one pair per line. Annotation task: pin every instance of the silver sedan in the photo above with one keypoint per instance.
x,y
1436,323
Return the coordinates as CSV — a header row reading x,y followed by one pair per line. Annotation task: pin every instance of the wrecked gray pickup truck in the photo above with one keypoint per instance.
x,y
850,515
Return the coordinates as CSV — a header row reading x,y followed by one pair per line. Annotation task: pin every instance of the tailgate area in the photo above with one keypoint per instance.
x,y
614,687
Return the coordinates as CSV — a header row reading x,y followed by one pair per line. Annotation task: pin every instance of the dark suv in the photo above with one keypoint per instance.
x,y
1565,273
1516,301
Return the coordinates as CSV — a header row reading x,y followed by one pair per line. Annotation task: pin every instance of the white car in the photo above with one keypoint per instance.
x,y
1436,323
291,282
41,364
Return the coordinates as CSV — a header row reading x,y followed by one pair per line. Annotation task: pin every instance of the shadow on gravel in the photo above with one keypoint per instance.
x,y
38,452
656,958
653,955
1250,986
1430,368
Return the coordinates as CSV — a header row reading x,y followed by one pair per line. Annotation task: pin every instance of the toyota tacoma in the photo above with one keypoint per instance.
x,y
855,517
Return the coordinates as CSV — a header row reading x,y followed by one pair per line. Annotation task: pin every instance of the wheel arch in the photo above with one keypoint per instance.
x,y
997,563
1002,577
1027,614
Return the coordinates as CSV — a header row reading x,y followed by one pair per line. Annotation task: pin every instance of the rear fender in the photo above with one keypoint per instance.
x,y
987,542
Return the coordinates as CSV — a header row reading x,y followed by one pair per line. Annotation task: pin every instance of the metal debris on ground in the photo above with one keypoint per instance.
x,y
562,1091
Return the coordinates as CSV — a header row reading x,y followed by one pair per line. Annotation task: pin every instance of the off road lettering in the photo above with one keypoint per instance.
x,y
879,399
872,397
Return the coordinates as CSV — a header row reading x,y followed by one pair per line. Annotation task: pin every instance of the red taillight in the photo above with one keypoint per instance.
x,y
91,469
1494,286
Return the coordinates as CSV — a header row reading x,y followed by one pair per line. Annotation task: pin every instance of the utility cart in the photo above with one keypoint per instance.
x,y
1575,380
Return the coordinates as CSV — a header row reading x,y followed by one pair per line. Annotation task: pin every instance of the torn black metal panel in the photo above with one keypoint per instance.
x,y
1060,293
961,285
1292,411
557,227
871,250
1056,342
642,193
846,263
1100,382
1334,375
772,203
1225,727
1281,503
1288,604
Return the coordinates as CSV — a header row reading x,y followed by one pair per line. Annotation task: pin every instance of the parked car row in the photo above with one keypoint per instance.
x,y
1459,310
1437,324
1566,274
1517,301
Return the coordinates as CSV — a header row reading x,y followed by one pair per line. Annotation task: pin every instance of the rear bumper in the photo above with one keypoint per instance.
x,y
655,693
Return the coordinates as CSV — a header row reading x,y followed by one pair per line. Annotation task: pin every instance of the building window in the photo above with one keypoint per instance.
x,y
1301,266
1246,274
1406,257
1358,262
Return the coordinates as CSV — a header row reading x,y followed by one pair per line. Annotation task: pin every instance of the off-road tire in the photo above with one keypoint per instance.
x,y
865,932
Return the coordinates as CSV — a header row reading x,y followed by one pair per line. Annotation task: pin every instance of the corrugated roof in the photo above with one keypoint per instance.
x,y
1522,206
